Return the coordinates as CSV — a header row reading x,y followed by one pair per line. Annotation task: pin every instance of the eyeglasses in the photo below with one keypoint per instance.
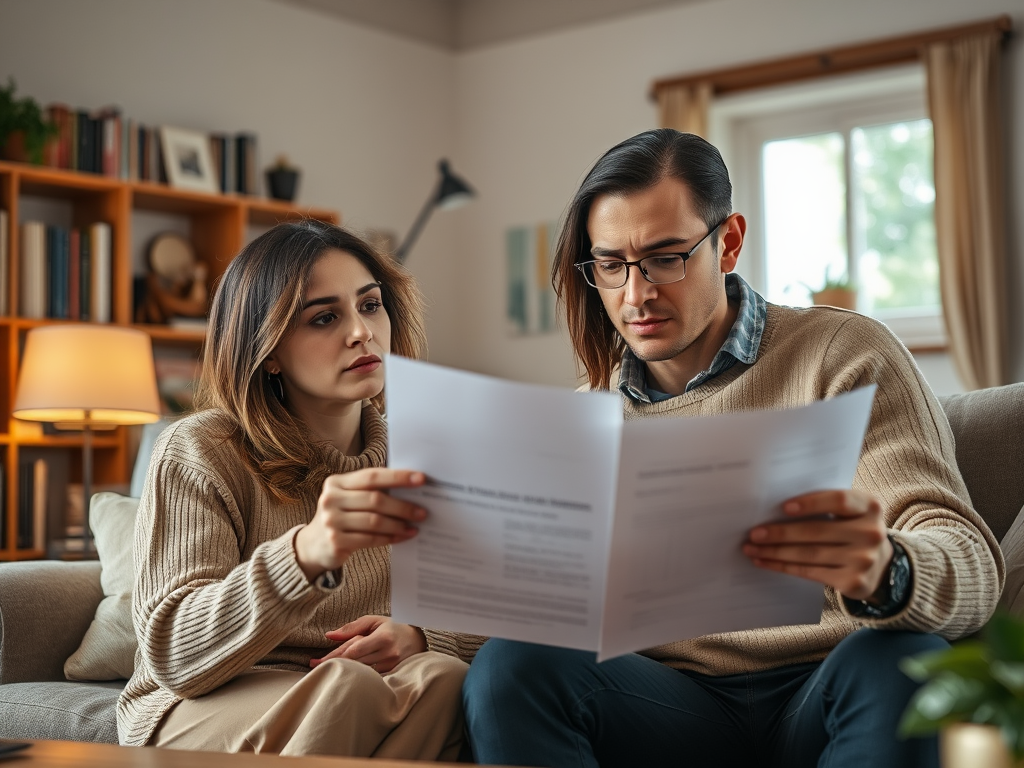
x,y
658,268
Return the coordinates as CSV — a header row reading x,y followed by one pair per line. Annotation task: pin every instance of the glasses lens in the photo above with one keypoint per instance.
x,y
664,268
606,273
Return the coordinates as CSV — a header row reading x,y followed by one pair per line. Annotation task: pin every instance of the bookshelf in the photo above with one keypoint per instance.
x,y
217,225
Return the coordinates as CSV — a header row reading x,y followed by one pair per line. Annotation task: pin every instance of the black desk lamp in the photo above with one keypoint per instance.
x,y
451,192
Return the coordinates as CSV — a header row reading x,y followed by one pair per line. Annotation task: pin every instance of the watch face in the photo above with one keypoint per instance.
x,y
899,576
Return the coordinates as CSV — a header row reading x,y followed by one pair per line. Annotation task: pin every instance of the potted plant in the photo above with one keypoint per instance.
x,y
973,693
23,129
835,291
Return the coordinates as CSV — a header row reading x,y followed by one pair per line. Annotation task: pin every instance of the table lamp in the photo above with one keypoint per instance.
x,y
451,192
87,377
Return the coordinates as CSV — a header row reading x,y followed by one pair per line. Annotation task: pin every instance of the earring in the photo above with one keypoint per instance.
x,y
276,386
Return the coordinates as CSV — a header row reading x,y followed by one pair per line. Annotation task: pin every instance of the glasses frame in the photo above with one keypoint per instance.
x,y
639,264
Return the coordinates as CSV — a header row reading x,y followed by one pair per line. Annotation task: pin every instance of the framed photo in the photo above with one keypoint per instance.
x,y
187,160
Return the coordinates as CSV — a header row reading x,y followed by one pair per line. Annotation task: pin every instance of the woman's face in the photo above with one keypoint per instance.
x,y
333,356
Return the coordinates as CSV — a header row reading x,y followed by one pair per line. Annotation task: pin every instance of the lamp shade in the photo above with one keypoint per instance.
x,y
87,375
452,191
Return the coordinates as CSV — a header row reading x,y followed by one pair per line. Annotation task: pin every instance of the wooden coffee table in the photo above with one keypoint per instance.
x,y
64,754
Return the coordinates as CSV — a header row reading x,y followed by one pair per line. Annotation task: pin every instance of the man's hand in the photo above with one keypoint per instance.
x,y
356,512
836,537
376,641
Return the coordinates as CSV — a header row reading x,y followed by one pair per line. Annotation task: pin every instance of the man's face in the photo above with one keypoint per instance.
x,y
678,321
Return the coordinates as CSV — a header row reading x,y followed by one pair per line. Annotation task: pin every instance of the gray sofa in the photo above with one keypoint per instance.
x,y
46,607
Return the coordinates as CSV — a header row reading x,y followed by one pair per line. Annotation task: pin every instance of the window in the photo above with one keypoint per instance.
x,y
836,180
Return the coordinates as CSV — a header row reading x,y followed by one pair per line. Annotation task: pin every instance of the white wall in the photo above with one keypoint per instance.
x,y
365,114
535,114
368,114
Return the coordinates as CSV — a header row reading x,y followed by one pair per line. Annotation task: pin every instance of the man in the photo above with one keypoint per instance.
x,y
643,271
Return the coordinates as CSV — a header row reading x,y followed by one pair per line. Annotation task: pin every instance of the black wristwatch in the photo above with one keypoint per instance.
x,y
898,584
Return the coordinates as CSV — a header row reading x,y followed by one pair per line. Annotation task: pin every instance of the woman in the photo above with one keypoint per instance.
x,y
261,548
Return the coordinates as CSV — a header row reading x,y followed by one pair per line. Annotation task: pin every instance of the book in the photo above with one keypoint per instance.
x,y
247,175
75,274
26,504
83,153
5,269
3,505
51,259
125,148
32,288
57,263
100,252
58,153
40,497
84,274
555,520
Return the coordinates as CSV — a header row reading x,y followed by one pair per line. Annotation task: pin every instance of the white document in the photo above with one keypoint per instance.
x,y
552,520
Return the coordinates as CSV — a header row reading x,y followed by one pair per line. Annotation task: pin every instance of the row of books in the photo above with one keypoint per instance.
x,y
107,143
35,518
235,162
65,273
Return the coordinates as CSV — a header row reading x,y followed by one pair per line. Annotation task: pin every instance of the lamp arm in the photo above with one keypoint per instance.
x,y
402,252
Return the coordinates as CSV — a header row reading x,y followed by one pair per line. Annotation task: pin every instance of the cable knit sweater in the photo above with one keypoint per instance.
x,y
907,462
218,588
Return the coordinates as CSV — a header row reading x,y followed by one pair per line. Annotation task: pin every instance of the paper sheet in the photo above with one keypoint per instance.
x,y
554,521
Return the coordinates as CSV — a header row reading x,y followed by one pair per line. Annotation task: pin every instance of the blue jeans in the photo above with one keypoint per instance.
x,y
542,706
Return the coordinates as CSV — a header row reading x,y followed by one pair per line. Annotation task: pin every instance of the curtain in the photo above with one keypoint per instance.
x,y
970,224
685,107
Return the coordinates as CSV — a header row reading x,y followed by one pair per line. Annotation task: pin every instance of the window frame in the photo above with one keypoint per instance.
x,y
741,124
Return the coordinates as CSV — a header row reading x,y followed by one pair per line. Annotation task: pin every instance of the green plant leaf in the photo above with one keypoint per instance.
x,y
968,658
1004,635
1010,674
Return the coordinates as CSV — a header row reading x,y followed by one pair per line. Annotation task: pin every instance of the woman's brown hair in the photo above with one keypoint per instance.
x,y
254,307
636,164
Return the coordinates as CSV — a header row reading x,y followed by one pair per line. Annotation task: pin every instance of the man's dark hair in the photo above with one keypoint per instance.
x,y
632,166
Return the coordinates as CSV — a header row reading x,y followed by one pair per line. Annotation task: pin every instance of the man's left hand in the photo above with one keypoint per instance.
x,y
835,537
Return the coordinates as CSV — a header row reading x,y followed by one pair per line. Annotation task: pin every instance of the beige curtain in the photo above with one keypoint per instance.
x,y
963,94
685,108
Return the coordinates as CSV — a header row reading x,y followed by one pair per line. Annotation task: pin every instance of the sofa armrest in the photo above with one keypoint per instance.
x,y
46,607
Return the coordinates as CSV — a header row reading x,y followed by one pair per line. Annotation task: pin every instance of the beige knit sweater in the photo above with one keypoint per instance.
x,y
218,587
907,462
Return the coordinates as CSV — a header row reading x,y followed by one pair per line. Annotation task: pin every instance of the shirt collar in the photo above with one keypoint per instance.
x,y
740,345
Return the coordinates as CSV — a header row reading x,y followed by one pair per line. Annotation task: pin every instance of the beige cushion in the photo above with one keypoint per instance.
x,y
988,425
1013,551
107,651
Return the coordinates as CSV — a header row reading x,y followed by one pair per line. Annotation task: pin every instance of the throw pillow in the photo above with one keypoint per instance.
x,y
1013,552
107,651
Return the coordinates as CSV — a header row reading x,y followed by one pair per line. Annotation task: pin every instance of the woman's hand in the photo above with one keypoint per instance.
x,y
376,641
841,542
356,512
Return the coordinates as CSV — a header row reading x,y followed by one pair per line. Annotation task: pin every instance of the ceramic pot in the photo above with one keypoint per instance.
x,y
282,183
836,297
969,745
14,147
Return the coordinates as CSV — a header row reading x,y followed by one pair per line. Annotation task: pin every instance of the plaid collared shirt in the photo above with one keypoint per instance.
x,y
741,345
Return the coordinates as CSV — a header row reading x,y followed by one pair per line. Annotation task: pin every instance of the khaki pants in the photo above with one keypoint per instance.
x,y
341,707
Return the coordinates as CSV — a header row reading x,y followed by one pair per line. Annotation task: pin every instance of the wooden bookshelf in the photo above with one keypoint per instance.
x,y
218,226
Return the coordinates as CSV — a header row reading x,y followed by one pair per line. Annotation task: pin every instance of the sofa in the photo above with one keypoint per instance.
x,y
47,607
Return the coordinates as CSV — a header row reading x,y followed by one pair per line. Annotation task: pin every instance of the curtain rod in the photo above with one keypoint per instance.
x,y
831,61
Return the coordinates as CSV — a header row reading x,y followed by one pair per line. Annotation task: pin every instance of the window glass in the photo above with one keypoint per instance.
x,y
894,224
805,215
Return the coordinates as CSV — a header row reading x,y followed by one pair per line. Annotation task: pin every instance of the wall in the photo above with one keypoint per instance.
x,y
365,114
534,116
368,114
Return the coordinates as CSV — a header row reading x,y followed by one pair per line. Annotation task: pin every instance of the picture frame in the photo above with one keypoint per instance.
x,y
187,160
